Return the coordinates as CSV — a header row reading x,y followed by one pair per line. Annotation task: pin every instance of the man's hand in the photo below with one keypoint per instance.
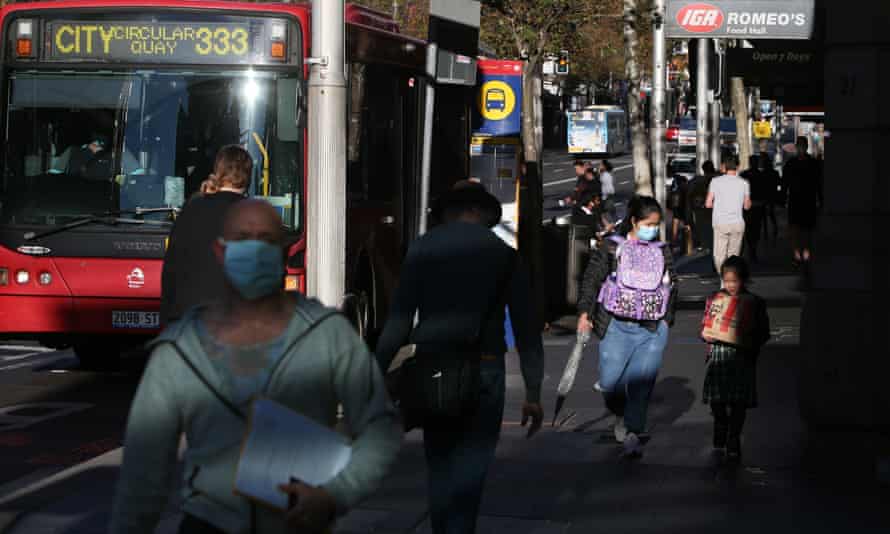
x,y
534,411
584,324
310,509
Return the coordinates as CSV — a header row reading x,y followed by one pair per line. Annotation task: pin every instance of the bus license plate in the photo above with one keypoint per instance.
x,y
135,319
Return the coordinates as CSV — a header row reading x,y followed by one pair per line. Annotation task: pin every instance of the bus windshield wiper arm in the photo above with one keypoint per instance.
x,y
109,220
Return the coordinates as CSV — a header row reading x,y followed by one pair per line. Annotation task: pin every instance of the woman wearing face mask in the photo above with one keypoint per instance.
x,y
628,300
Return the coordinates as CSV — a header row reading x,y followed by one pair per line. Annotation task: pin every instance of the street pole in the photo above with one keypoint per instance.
x,y
432,53
658,82
326,235
701,104
716,109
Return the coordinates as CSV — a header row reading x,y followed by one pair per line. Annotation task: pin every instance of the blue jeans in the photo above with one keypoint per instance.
x,y
630,358
458,454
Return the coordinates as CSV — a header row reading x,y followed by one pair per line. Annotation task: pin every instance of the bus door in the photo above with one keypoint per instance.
x,y
375,176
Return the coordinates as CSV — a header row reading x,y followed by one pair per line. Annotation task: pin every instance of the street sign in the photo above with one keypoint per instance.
x,y
762,130
792,73
739,19
499,102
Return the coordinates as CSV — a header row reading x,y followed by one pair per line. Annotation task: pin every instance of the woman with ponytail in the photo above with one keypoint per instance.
x,y
191,274
628,300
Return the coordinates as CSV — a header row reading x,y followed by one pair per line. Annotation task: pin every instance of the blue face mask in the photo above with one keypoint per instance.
x,y
647,233
255,268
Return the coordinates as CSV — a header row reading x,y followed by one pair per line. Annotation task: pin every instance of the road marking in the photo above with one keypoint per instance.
x,y
624,182
19,356
36,359
11,421
32,348
569,180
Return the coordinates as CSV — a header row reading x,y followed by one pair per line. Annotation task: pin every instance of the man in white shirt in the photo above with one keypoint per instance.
x,y
728,195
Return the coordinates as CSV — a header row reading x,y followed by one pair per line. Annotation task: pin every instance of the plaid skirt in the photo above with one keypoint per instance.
x,y
731,377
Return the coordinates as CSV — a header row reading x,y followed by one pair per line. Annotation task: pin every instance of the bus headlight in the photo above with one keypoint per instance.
x,y
45,278
22,277
4,276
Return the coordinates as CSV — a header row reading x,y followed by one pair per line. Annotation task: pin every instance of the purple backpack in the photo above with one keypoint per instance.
x,y
640,287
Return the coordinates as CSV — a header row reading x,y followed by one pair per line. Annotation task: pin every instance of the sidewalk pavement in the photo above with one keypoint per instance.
x,y
569,479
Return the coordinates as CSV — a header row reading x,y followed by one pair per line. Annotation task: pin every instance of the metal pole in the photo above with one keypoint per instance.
x,y
715,109
702,140
432,54
326,232
658,82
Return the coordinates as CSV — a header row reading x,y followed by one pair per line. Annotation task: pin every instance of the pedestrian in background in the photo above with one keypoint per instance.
x,y
633,341
204,370
681,236
191,274
730,385
760,195
697,204
581,167
729,196
771,185
455,280
803,177
607,185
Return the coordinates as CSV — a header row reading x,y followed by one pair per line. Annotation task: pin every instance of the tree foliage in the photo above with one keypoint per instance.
x,y
412,15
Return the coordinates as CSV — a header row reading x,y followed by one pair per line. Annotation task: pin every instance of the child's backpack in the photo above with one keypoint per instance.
x,y
640,287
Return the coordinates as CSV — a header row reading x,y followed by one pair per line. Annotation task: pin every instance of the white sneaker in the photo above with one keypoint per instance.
x,y
597,387
619,429
632,447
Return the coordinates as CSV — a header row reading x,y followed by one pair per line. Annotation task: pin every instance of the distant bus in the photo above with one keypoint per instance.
x,y
597,130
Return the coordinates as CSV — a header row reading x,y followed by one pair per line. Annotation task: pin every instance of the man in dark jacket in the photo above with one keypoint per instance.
x,y
697,191
191,274
457,278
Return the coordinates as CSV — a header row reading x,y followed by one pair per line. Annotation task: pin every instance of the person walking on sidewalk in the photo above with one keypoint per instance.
x,y
639,267
729,196
203,372
191,274
730,385
696,203
803,177
771,183
455,280
760,195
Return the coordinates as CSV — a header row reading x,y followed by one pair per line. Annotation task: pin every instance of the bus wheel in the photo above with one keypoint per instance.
x,y
98,357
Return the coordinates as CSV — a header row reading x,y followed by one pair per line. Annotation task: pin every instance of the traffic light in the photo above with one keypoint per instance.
x,y
562,66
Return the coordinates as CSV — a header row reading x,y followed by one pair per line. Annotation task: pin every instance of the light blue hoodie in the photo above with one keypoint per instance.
x,y
331,365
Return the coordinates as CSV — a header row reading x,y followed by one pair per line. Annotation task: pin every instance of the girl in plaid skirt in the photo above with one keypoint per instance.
x,y
731,380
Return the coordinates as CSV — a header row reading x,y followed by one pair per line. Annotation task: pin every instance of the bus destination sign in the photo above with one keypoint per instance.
x,y
150,42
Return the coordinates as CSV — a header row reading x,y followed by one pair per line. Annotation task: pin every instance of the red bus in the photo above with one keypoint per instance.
x,y
113,112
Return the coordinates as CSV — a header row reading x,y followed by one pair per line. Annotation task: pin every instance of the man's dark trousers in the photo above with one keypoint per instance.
x,y
459,452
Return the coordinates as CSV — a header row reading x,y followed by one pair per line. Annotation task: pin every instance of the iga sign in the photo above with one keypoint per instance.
x,y
743,19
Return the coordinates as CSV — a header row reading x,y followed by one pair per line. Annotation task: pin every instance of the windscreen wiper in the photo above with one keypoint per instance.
x,y
107,219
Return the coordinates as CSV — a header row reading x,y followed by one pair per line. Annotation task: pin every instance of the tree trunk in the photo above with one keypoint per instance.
x,y
531,200
639,140
743,134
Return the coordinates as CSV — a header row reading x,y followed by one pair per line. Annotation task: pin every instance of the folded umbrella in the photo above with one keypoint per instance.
x,y
568,375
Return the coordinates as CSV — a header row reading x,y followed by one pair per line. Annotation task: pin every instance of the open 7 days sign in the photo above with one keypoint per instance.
x,y
742,19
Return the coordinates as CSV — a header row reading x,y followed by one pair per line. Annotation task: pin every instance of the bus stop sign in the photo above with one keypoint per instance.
x,y
740,19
